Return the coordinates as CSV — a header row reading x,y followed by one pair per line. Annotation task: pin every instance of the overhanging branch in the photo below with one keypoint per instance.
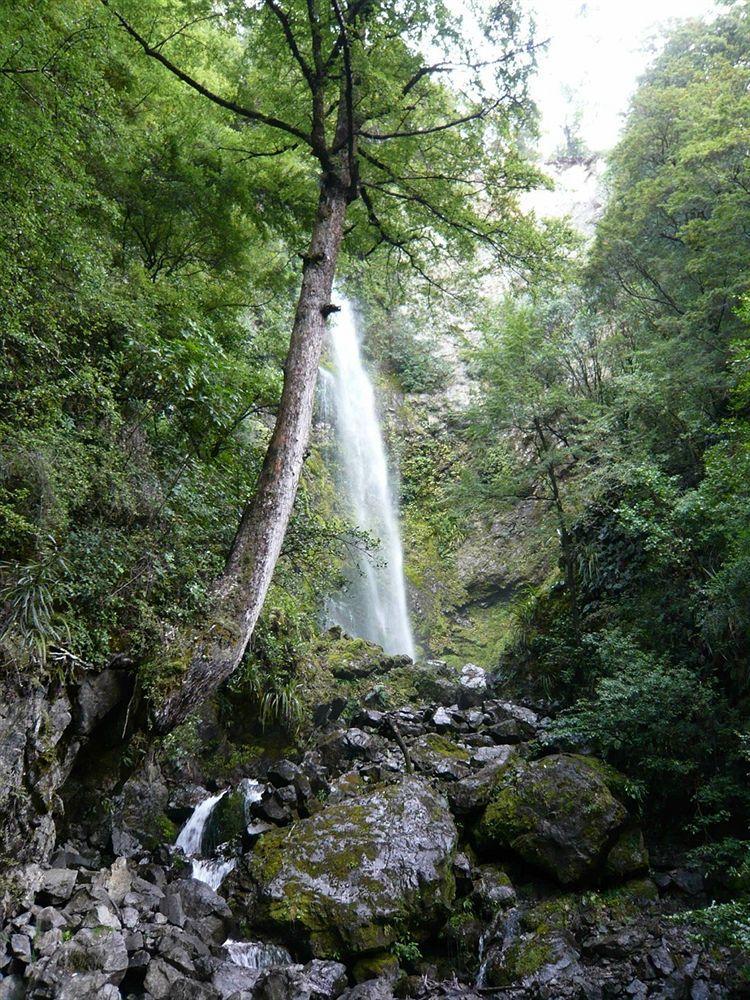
x,y
223,102
443,127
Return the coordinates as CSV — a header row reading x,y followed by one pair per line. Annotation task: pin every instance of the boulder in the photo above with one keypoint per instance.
x,y
58,883
229,979
440,757
207,915
353,876
139,819
226,821
545,958
556,813
374,989
97,696
492,891
628,855
472,686
318,980
471,794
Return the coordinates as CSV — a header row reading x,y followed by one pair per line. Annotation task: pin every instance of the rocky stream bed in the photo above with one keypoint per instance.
x,y
447,848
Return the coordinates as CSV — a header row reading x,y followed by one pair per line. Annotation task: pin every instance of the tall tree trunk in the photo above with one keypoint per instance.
x,y
240,591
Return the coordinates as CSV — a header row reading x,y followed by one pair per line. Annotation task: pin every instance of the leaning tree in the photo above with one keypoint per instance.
x,y
408,120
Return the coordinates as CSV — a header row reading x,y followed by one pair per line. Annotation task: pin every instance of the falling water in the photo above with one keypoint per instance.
x,y
372,605
256,954
212,871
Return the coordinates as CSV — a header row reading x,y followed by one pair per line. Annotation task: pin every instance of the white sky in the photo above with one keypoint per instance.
x,y
598,49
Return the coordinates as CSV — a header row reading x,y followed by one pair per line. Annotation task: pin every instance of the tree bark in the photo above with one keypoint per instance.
x,y
240,591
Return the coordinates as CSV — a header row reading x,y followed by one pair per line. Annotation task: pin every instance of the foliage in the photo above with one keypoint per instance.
x,y
726,924
614,403
29,617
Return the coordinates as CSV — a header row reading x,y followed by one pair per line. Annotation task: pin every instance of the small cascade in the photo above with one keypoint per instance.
x,y
191,835
372,605
256,954
212,871
500,935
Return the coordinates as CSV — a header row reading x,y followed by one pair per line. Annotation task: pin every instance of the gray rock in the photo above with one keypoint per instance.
x,y
48,917
96,697
161,977
139,814
12,988
190,989
47,942
58,883
87,986
350,875
344,747
171,907
283,772
207,915
472,686
229,979
318,980
556,813
472,794
34,763
492,891
373,989
441,719
21,947
488,755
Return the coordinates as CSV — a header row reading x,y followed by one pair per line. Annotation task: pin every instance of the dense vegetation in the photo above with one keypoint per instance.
x,y
148,269
621,395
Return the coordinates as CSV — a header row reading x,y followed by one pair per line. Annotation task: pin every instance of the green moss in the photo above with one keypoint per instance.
x,y
615,781
447,748
481,640
383,963
557,913
628,856
523,959
294,865
227,821
168,830
503,819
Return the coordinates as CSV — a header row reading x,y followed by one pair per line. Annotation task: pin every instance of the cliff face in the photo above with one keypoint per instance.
x,y
463,568
36,755
47,727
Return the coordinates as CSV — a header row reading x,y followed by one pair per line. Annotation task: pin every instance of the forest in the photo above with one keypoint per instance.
x,y
374,547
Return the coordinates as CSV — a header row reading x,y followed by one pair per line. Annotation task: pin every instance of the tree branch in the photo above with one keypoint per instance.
x,y
348,97
238,109
286,26
444,126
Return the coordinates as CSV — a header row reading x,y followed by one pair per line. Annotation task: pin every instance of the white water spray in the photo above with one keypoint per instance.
x,y
372,604
256,954
212,871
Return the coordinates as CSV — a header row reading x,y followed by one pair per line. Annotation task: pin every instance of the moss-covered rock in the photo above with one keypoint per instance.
x,y
440,756
383,964
541,957
557,813
355,877
226,821
628,856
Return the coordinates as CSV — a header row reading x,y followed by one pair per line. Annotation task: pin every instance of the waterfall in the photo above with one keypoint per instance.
x,y
372,604
191,835
212,871
256,954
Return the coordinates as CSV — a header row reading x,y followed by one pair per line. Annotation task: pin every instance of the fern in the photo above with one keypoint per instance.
x,y
28,618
